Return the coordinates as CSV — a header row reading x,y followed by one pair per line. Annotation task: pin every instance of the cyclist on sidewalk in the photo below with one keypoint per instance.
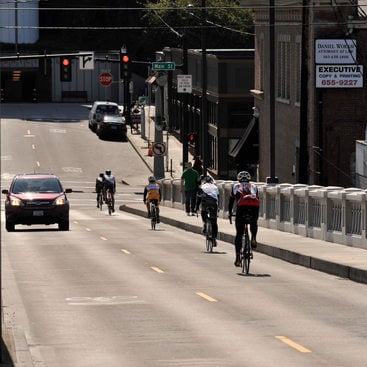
x,y
99,187
246,196
110,184
208,197
152,192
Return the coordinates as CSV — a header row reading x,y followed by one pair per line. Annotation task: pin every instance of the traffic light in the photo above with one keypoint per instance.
x,y
124,65
191,138
65,69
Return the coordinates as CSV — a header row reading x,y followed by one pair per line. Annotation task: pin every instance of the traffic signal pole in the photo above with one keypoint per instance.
x,y
125,75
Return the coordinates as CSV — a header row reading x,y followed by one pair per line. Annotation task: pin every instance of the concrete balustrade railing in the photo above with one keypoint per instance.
x,y
333,214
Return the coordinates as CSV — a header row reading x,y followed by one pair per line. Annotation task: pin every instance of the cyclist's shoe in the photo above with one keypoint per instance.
x,y
113,210
158,220
253,243
188,214
97,205
237,261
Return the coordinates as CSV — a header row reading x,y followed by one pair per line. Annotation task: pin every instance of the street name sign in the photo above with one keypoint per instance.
x,y
163,65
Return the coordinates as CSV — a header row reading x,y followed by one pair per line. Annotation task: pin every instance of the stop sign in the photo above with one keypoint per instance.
x,y
105,79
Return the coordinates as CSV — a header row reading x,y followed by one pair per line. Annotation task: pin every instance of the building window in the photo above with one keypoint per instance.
x,y
297,66
283,67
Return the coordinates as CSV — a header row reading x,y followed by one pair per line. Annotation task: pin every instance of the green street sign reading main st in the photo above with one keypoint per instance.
x,y
163,65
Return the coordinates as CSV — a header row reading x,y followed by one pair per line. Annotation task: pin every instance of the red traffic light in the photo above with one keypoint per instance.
x,y
192,138
65,62
125,58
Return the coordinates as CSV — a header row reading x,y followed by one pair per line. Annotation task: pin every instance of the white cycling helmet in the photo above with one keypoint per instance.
x,y
243,176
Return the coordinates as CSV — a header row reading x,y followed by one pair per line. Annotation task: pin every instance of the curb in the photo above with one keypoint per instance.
x,y
340,270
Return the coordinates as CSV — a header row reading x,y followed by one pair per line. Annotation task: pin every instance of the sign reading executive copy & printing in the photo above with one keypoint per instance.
x,y
339,76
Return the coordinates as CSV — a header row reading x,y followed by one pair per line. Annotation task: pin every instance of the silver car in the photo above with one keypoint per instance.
x,y
99,109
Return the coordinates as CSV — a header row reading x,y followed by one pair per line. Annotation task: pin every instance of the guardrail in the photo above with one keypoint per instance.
x,y
331,213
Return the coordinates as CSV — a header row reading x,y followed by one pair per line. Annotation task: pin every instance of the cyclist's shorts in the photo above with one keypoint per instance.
x,y
109,187
249,214
155,201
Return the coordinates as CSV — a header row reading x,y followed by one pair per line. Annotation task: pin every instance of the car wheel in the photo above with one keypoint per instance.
x,y
10,227
64,225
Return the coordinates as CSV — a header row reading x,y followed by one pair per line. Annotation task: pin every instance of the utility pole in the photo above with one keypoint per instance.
x,y
204,118
272,179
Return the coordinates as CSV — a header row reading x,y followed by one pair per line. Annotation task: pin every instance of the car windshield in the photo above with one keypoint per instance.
x,y
37,185
108,110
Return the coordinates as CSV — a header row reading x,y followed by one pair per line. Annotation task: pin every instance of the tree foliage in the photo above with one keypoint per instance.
x,y
227,25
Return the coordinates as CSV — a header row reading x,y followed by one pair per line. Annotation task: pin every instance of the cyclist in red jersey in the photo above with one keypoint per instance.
x,y
246,196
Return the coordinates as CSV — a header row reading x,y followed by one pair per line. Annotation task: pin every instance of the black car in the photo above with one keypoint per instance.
x,y
112,125
36,199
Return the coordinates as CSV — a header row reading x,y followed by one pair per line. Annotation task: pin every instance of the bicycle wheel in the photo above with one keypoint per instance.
x,y
100,201
209,236
153,217
246,257
109,205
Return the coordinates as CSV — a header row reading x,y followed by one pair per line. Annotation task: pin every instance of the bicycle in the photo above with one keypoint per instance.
x,y
246,253
110,202
100,200
153,214
210,240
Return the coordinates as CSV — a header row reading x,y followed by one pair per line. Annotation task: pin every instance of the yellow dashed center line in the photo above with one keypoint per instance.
x,y
103,238
157,269
205,296
125,251
33,147
293,344
88,230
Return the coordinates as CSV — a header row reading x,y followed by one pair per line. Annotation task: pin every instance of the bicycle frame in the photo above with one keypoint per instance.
x,y
210,239
153,214
246,253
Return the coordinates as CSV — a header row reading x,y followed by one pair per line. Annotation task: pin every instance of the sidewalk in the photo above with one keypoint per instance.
x,y
342,261
173,159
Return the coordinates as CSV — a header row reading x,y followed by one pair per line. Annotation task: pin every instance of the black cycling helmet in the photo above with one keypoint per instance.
x,y
206,179
151,179
101,175
243,176
108,172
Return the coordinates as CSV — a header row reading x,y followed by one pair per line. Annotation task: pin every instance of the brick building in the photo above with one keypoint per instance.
x,y
315,122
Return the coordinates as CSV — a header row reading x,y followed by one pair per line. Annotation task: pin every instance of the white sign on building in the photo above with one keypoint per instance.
x,y
335,51
184,83
339,76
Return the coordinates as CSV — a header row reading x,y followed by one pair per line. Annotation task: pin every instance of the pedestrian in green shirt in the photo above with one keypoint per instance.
x,y
189,184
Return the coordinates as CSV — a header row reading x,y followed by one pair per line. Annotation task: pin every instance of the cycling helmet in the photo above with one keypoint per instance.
x,y
101,175
207,179
151,179
108,172
243,176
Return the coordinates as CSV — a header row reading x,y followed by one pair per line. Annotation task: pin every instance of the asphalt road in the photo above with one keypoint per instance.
x,y
112,292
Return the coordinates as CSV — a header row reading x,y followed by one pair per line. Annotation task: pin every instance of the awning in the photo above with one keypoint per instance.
x,y
237,148
151,79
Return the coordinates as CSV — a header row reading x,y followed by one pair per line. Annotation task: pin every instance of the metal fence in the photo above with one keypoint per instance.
x,y
333,214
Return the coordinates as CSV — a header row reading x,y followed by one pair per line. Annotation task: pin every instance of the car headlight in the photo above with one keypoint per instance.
x,y
60,200
14,201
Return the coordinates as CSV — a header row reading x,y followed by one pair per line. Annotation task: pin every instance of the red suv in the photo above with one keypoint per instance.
x,y
36,199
